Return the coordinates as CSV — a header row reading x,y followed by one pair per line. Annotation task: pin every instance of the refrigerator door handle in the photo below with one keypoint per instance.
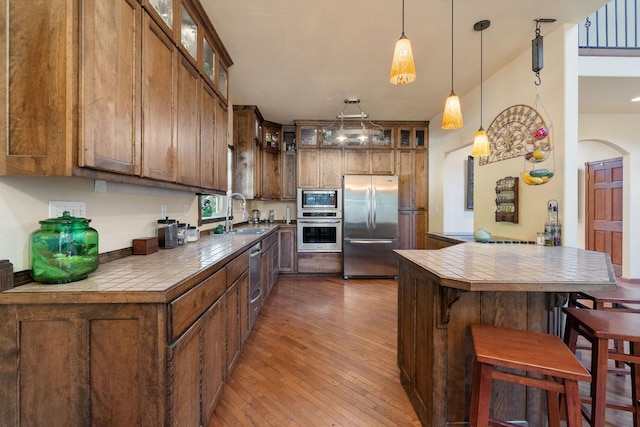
x,y
374,209
368,242
368,208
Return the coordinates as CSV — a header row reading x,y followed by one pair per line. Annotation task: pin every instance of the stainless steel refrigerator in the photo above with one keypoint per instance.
x,y
370,225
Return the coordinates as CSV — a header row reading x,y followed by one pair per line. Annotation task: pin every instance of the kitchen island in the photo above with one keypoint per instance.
x,y
441,292
143,341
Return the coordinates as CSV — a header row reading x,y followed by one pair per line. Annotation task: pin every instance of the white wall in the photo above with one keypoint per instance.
x,y
578,139
512,85
123,213
458,218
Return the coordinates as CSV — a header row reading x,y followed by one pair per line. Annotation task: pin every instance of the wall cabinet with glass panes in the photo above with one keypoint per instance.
x,y
97,132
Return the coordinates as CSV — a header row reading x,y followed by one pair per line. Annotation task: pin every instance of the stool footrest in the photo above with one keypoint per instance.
x,y
545,384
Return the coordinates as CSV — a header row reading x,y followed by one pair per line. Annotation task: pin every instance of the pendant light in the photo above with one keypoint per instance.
x,y
481,146
403,69
452,116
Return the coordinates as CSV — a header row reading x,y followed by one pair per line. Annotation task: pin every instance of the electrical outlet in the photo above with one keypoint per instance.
x,y
57,207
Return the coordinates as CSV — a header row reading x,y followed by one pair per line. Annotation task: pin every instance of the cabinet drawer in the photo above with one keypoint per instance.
x,y
184,310
236,267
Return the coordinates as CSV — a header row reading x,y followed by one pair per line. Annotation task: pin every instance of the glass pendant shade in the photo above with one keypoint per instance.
x,y
481,146
403,69
452,117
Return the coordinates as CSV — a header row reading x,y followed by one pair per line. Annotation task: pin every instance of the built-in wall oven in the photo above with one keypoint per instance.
x,y
319,220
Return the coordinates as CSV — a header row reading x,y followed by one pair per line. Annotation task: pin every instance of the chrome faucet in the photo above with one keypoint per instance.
x,y
228,222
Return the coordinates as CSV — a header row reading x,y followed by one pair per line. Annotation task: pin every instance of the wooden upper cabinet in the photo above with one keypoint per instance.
x,y
247,131
330,168
308,168
188,138
111,86
221,148
208,137
376,162
159,90
412,137
35,107
101,89
271,172
412,170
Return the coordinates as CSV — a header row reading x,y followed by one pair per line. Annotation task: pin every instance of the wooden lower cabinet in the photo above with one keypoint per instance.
x,y
320,262
288,253
412,229
187,370
269,264
124,364
83,364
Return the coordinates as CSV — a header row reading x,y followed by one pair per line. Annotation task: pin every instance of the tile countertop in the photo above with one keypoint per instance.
x,y
158,277
530,268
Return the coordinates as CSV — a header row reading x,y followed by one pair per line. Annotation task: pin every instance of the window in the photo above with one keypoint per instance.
x,y
213,207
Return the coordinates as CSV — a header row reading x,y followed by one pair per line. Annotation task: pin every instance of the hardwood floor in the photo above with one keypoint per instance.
x,y
323,353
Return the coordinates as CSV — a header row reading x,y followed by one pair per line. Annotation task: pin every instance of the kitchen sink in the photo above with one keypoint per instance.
x,y
248,230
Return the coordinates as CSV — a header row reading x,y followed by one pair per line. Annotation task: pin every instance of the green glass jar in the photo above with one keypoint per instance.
x,y
64,250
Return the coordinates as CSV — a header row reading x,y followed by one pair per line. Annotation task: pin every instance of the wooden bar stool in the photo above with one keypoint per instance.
x,y
622,299
531,352
598,327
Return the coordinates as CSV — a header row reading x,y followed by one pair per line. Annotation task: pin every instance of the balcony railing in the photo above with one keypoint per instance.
x,y
612,27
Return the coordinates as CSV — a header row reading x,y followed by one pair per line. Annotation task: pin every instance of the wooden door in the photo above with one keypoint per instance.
x,y
233,326
187,142
603,203
110,98
158,93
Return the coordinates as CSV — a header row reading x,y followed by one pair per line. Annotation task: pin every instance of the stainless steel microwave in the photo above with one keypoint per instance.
x,y
315,200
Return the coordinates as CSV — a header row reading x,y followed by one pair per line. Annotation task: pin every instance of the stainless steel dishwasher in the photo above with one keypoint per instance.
x,y
255,290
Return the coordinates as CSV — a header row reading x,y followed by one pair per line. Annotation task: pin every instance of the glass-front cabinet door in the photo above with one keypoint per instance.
x,y
381,138
164,9
223,80
188,32
208,61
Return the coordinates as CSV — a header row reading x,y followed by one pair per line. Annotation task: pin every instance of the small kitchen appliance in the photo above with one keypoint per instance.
x,y
167,233
64,250
255,214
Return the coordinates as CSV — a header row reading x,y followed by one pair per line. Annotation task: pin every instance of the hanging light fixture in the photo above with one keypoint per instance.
x,y
481,146
403,69
358,128
452,116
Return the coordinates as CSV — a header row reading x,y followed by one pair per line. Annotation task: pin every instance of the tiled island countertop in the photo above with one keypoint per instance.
x,y
443,291
485,267
158,277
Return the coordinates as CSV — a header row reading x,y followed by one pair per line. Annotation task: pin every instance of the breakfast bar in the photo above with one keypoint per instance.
x,y
441,292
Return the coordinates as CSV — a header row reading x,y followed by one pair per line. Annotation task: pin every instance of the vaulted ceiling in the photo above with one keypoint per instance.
x,y
300,59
